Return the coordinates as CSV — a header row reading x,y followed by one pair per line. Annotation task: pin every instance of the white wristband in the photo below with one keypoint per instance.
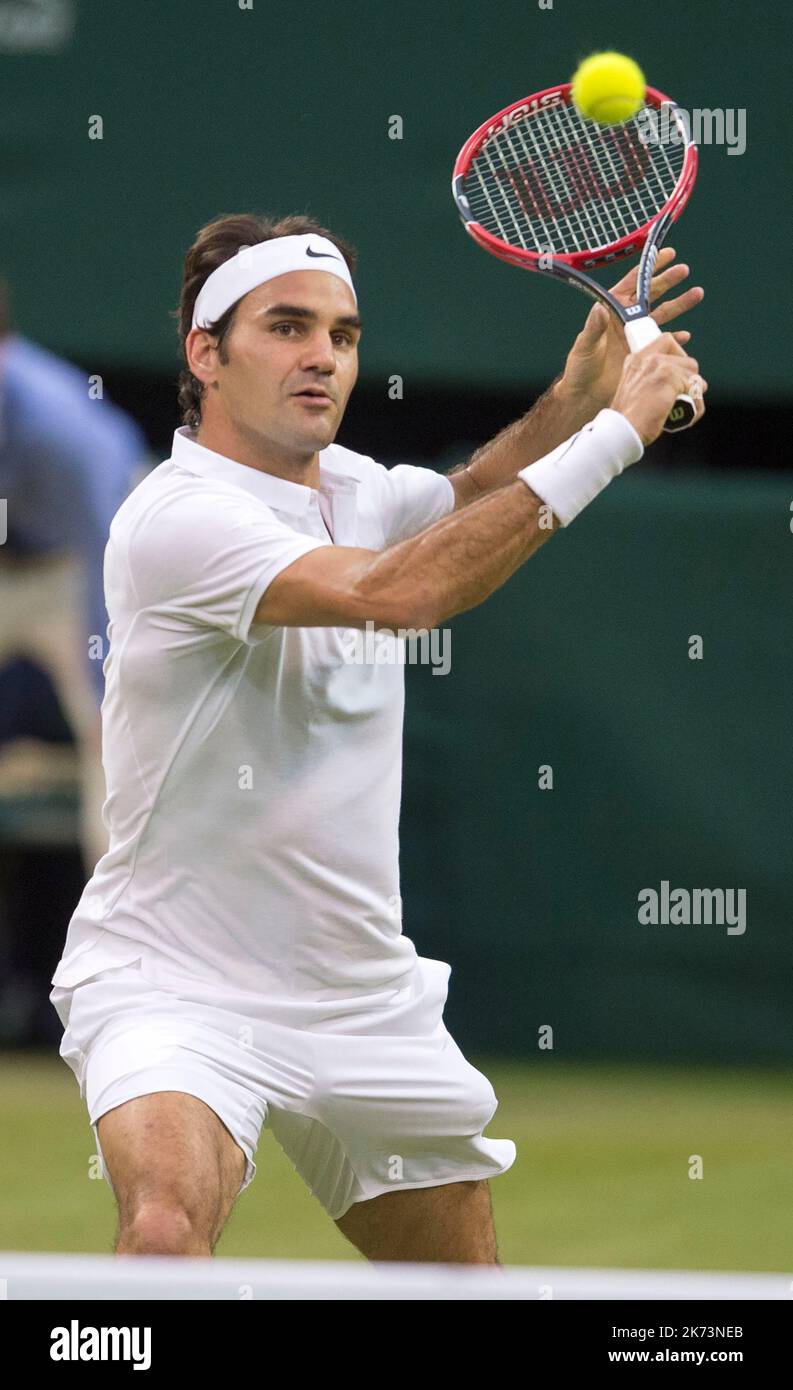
x,y
570,477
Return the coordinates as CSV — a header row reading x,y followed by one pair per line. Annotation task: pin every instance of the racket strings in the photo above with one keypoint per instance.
x,y
556,182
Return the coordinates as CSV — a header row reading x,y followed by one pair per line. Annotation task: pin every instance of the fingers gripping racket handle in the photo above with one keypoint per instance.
x,y
684,412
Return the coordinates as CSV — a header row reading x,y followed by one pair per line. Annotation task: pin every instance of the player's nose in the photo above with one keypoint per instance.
x,y
319,353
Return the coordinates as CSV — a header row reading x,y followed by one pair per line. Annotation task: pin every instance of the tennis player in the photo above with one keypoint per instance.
x,y
237,961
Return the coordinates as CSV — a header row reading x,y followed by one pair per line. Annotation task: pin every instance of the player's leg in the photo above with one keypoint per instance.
x,y
450,1224
393,1118
394,1146
175,1171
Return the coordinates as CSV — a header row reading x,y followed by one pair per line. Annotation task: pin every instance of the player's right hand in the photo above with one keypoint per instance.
x,y
650,383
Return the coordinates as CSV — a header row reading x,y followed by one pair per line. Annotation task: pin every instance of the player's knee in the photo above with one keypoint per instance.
x,y
163,1227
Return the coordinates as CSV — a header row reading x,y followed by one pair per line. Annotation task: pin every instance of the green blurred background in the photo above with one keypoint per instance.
x,y
668,1041
209,109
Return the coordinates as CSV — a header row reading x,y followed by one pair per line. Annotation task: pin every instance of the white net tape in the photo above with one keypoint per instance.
x,y
36,1276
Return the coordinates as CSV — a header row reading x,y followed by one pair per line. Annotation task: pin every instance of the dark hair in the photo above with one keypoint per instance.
x,y
214,244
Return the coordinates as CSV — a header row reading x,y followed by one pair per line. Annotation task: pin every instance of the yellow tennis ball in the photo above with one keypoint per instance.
x,y
608,87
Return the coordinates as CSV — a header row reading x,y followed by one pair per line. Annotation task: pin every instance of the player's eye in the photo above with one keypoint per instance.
x,y
343,334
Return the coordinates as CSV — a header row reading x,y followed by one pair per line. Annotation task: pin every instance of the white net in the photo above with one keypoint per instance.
x,y
37,1276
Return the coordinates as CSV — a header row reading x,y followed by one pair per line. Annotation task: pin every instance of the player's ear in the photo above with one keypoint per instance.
x,y
200,348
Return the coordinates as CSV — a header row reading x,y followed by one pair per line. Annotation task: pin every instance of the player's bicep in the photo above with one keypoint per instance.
x,y
326,588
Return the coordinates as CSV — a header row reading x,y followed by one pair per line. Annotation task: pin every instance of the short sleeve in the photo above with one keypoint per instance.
x,y
208,558
415,498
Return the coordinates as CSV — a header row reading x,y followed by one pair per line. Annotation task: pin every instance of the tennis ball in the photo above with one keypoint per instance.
x,y
608,87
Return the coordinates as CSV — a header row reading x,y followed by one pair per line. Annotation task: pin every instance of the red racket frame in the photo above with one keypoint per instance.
x,y
577,260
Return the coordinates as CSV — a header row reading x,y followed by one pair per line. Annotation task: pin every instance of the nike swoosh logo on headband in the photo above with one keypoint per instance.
x,y
322,255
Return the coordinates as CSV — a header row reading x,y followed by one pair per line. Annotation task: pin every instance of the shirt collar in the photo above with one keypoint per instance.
x,y
278,493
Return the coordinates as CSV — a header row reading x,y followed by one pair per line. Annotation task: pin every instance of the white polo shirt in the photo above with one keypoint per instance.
x,y
253,775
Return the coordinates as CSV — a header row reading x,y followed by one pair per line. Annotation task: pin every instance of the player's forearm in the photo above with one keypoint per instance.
x,y
462,559
552,419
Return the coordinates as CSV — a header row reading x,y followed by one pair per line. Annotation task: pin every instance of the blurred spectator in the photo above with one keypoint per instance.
x,y
67,461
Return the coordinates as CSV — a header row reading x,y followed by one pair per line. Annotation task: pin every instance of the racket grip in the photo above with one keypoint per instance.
x,y
639,333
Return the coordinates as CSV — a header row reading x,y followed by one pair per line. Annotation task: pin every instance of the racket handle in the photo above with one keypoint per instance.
x,y
639,333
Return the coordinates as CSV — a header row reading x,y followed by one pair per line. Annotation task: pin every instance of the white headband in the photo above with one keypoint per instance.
x,y
252,265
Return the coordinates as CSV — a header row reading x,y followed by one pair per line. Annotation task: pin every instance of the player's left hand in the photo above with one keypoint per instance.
x,y
594,364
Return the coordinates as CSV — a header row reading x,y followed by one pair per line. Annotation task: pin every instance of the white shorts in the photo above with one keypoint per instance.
x,y
389,1106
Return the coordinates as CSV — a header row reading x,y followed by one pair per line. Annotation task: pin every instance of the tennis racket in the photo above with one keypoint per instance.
x,y
542,187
